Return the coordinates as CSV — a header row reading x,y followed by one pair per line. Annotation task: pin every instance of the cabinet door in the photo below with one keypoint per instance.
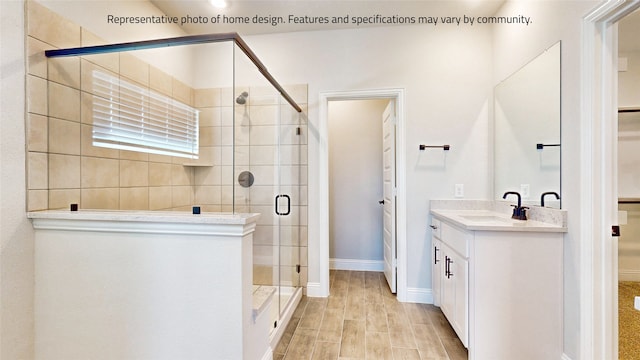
x,y
454,292
447,286
437,270
458,270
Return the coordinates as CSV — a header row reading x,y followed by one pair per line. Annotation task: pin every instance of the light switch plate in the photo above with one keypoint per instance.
x,y
623,64
524,190
459,191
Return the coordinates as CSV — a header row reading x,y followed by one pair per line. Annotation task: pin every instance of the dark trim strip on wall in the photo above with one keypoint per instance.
x,y
177,41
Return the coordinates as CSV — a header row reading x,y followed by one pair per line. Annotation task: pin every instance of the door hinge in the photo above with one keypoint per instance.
x,y
298,268
615,230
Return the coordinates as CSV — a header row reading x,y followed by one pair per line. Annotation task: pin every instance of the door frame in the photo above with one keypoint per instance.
x,y
397,95
598,180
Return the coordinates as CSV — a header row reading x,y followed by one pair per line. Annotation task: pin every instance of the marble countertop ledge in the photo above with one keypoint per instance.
x,y
262,297
176,217
488,220
496,215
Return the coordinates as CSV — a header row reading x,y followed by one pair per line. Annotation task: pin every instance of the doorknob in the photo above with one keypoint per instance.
x,y
381,202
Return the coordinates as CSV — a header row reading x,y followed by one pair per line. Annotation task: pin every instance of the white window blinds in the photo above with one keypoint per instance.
x,y
130,117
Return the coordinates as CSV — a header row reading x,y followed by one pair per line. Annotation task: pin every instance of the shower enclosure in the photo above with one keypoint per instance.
x,y
270,178
245,137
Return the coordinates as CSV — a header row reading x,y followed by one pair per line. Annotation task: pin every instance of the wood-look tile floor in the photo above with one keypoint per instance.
x,y
362,319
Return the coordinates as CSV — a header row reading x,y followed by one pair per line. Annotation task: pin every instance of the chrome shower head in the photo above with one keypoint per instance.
x,y
242,99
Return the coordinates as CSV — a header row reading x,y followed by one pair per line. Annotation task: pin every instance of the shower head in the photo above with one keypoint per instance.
x,y
242,99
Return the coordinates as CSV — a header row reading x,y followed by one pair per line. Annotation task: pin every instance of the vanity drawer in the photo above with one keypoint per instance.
x,y
436,227
456,239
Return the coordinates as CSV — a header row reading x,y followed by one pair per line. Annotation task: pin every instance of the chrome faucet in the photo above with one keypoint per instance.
x,y
519,212
548,193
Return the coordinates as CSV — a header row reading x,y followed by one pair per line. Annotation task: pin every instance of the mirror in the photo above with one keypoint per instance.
x,y
527,131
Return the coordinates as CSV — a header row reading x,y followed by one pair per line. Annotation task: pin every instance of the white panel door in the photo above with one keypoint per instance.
x,y
389,193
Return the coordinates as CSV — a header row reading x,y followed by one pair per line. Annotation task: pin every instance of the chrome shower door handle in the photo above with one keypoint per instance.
x,y
278,205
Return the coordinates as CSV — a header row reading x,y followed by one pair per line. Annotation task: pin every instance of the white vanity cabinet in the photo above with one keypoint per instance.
x,y
500,289
451,269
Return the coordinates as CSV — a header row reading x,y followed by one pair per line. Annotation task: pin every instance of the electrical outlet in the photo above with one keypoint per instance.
x,y
459,191
524,190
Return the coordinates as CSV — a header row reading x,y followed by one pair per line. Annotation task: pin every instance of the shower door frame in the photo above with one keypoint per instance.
x,y
177,41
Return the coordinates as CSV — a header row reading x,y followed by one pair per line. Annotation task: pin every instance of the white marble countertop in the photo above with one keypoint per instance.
x,y
487,220
175,217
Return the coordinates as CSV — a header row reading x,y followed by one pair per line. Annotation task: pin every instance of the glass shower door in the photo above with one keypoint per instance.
x,y
288,202
267,176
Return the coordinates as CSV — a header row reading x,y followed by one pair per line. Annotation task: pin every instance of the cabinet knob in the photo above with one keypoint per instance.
x,y
433,227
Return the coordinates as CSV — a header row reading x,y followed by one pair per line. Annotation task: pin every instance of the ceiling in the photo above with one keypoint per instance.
x,y
267,9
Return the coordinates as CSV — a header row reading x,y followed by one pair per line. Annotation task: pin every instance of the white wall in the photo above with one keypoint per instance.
x,y
92,15
629,127
16,234
628,244
446,102
629,80
514,47
629,167
355,179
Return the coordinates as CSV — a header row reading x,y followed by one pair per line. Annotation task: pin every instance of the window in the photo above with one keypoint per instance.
x,y
130,117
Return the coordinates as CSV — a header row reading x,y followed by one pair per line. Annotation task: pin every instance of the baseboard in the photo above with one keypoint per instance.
x,y
356,265
628,275
314,290
565,357
419,295
268,355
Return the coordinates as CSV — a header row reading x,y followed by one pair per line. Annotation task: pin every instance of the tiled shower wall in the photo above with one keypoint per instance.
x,y
64,168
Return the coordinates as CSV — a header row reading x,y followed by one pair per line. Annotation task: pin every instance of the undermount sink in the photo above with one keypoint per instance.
x,y
485,218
